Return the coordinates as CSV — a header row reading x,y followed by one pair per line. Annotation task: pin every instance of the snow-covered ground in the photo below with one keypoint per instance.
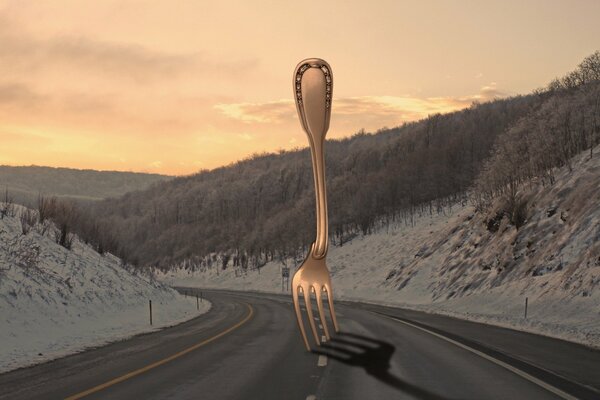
x,y
55,301
453,264
359,268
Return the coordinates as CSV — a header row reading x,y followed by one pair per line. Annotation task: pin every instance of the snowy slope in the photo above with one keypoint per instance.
x,y
55,301
359,268
453,264
553,260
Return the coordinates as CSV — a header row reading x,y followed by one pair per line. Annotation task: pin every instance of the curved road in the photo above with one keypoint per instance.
x,y
248,347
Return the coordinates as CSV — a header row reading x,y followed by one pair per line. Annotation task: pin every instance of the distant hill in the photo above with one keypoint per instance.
x,y
24,184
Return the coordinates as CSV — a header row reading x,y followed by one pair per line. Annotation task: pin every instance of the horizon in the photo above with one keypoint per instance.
x,y
176,90
265,153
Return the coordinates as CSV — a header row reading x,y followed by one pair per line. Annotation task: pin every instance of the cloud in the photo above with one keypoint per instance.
x,y
78,83
398,108
491,92
246,136
18,94
12,137
124,61
269,112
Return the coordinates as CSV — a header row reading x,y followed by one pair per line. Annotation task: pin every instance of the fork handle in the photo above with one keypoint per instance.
x,y
313,89
319,249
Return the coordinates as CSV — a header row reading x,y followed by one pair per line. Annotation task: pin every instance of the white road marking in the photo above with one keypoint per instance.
x,y
311,397
322,361
509,367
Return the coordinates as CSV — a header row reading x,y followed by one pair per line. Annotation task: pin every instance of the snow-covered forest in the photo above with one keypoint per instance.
x,y
262,208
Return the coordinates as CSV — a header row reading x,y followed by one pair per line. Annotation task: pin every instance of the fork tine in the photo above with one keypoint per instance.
x,y
336,327
322,313
299,315
311,318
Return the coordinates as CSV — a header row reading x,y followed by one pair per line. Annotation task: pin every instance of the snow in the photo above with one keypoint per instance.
x,y
55,302
359,268
452,264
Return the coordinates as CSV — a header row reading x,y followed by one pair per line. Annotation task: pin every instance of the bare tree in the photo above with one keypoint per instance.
x,y
7,208
28,220
46,207
63,215
590,68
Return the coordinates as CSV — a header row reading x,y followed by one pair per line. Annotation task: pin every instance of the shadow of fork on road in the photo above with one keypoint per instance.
x,y
374,357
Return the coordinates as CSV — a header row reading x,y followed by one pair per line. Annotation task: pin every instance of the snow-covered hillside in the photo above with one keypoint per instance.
x,y
471,264
55,301
485,268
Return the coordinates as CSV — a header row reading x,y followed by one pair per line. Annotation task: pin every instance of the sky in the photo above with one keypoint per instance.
x,y
173,87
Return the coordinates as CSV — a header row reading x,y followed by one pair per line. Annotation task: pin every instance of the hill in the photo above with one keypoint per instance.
x,y
262,208
56,301
468,263
24,184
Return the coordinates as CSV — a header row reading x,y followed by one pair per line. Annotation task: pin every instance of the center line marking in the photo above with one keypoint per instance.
x,y
163,361
507,366
322,361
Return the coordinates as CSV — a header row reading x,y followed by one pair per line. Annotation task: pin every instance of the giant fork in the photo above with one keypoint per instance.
x,y
313,88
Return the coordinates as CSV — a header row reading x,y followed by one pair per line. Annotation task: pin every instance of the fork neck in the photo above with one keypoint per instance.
x,y
319,248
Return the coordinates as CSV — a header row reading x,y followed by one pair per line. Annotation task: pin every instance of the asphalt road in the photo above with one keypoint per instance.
x,y
248,347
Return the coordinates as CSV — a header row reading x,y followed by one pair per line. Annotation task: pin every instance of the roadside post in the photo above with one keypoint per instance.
x,y
150,304
526,301
285,278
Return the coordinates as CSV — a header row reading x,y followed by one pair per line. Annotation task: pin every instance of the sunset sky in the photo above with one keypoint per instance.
x,y
177,86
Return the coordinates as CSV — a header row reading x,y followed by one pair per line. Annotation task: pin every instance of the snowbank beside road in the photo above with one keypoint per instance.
x,y
55,302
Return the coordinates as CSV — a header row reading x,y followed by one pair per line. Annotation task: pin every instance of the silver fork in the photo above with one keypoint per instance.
x,y
313,88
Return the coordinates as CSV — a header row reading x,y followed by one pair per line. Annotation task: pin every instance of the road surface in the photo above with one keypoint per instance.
x,y
248,347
